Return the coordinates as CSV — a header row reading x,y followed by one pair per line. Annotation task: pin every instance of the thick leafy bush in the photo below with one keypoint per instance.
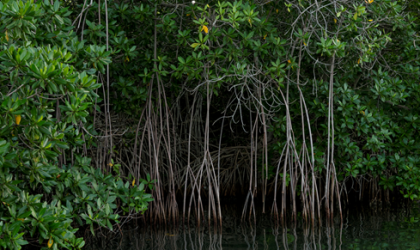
x,y
47,185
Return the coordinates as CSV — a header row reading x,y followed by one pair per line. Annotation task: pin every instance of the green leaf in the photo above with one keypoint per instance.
x,y
108,223
194,45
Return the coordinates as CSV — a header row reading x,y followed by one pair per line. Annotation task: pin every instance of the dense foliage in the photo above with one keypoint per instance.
x,y
48,187
315,99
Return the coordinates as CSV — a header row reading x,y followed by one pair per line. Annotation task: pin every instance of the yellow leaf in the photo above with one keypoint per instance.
x,y
18,118
205,29
21,219
7,36
208,6
335,20
370,1
370,20
127,59
358,61
110,164
249,20
134,182
362,112
304,43
289,61
188,14
277,10
265,36
50,243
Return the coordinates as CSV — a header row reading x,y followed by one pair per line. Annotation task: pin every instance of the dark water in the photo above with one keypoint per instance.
x,y
362,228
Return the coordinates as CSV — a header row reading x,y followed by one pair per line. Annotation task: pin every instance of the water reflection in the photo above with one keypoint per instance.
x,y
362,228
